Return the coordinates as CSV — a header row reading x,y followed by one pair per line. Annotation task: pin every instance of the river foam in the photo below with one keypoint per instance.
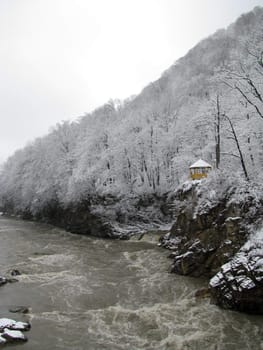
x,y
93,294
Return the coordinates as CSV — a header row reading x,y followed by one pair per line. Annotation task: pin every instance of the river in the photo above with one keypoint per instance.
x,y
93,294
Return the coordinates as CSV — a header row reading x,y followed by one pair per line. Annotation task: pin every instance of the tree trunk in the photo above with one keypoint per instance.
x,y
238,147
217,136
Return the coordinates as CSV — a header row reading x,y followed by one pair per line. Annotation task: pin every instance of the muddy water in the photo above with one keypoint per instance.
x,y
86,293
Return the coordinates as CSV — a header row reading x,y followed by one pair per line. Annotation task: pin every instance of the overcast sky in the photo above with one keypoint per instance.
x,y
62,58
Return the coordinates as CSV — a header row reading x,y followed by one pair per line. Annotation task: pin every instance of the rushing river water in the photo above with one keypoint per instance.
x,y
89,294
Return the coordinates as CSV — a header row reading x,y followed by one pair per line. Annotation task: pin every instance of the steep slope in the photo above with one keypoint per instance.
x,y
144,145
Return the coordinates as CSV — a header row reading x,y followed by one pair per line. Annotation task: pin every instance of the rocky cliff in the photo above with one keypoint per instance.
x,y
115,217
215,220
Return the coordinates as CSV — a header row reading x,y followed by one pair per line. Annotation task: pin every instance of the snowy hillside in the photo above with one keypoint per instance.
x,y
145,144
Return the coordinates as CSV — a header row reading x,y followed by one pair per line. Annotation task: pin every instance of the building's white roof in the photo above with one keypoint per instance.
x,y
200,164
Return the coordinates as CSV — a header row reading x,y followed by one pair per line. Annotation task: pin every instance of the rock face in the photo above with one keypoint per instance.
x,y
76,219
239,282
103,217
206,239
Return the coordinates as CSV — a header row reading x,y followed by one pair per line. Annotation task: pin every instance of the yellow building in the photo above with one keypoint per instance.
x,y
199,169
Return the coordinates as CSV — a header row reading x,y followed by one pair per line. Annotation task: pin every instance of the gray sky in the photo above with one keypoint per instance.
x,y
62,58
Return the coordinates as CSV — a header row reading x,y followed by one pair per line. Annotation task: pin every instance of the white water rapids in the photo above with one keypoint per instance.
x,y
93,294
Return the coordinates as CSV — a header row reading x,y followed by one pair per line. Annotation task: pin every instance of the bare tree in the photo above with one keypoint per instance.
x,y
235,139
217,131
247,81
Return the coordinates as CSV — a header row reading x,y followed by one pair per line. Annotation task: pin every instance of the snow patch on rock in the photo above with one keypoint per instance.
x,y
13,335
13,325
10,330
241,279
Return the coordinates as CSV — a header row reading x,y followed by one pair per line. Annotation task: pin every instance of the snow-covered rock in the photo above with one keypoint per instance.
x,y
213,236
13,325
239,283
3,280
2,340
13,336
10,330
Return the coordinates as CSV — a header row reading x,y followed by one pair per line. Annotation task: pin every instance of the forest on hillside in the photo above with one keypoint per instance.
x,y
208,105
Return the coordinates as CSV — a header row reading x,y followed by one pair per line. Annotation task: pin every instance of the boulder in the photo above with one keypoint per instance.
x,y
3,281
19,309
13,336
2,340
15,272
13,325
10,330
